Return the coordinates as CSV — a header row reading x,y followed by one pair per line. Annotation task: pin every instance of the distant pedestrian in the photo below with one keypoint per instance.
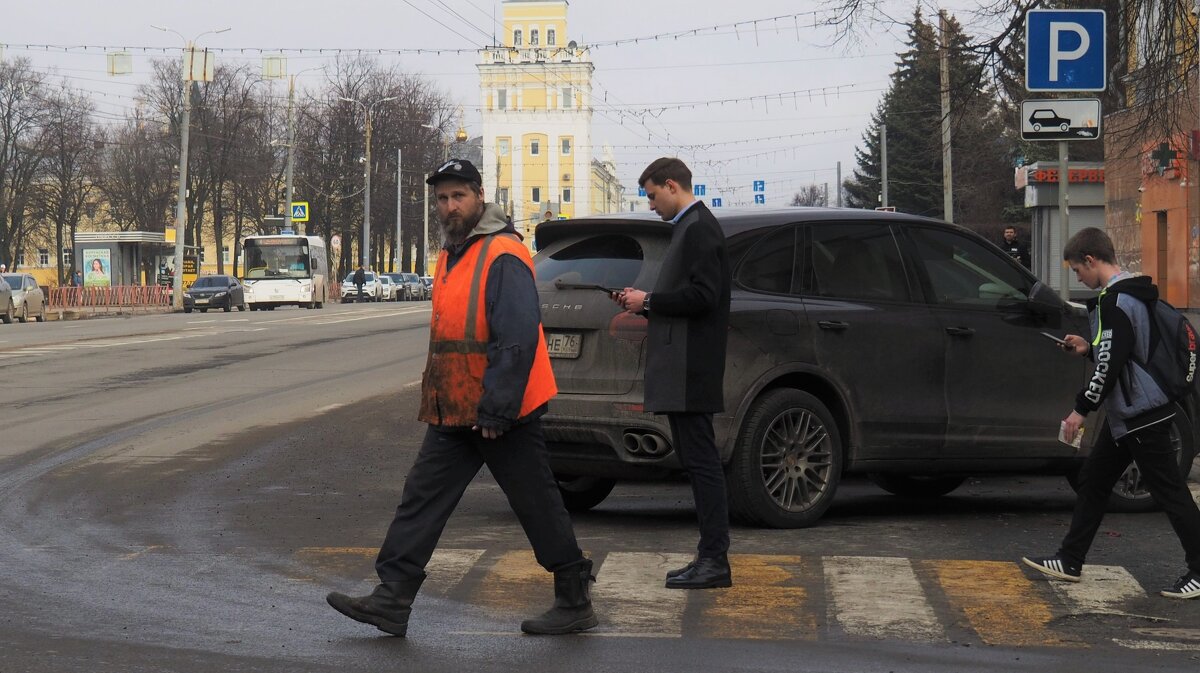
x,y
3,267
77,278
1015,247
486,386
1138,413
688,314
360,279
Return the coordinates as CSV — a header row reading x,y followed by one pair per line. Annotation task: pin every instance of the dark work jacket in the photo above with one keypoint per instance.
x,y
1017,250
689,319
360,278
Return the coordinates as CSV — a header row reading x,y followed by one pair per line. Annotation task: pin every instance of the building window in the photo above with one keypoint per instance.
x,y
566,145
43,257
535,148
503,196
225,254
536,195
549,37
568,99
533,37
517,38
567,195
502,99
68,257
505,146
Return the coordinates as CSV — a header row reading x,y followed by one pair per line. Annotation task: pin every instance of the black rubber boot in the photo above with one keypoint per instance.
x,y
386,608
572,609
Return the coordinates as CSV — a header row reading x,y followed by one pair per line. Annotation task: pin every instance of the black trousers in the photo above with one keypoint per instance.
x,y
1150,447
696,447
360,292
446,464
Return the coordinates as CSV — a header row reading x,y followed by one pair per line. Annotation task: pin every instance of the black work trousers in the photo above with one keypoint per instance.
x,y
1150,448
446,464
692,435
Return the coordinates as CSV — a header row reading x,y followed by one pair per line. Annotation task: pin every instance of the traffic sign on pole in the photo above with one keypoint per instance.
x,y
697,190
1065,50
760,198
1060,119
299,211
760,185
716,202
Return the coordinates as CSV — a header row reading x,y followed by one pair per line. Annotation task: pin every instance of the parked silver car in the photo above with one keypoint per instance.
x,y
6,302
28,299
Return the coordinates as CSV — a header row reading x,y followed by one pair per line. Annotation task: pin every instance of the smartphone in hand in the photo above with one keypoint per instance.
x,y
1060,342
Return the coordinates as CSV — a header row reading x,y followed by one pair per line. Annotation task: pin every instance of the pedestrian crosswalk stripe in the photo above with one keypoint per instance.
x,y
448,567
879,597
630,597
768,600
1102,590
514,585
998,601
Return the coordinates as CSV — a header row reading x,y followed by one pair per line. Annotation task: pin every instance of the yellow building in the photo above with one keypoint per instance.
x,y
536,90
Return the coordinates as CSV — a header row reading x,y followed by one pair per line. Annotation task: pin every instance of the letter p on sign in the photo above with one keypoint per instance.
x,y
1065,50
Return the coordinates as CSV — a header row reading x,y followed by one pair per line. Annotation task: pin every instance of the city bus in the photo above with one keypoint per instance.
x,y
284,269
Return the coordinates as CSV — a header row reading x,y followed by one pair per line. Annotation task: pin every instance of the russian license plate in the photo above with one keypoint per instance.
x,y
563,345
201,301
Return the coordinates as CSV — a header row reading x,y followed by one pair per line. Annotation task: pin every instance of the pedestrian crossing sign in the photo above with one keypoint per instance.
x,y
299,211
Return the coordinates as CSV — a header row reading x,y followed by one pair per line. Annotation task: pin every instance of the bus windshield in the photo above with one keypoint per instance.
x,y
276,258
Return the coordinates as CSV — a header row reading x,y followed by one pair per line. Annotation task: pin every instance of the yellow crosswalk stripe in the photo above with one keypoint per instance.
x,y
515,585
767,601
998,601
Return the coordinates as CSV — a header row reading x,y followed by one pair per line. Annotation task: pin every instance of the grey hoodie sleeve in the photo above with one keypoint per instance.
x,y
513,317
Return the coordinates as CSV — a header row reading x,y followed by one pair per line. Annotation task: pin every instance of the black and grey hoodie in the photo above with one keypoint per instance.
x,y
1120,319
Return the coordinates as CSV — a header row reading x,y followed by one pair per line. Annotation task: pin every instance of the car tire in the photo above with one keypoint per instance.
x,y
242,306
1129,495
204,310
7,316
41,316
24,317
779,496
228,306
916,485
583,493
187,310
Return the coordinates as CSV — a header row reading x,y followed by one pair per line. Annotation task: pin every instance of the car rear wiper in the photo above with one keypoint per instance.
x,y
560,285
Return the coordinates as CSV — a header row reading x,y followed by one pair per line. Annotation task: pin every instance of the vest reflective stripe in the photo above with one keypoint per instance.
x,y
453,382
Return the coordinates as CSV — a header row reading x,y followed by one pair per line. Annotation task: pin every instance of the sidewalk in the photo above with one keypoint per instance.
x,y
89,312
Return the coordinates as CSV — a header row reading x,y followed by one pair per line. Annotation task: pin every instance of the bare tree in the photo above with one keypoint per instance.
x,y
811,195
22,122
136,174
69,144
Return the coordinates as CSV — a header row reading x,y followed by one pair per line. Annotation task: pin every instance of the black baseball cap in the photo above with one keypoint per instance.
x,y
459,169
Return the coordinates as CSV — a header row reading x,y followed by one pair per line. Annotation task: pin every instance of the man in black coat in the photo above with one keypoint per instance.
x,y
688,313
360,279
1014,247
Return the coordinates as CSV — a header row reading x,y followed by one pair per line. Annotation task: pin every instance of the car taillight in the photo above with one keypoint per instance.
x,y
628,326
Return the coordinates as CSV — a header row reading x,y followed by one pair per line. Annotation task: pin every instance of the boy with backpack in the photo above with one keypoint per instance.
x,y
1127,340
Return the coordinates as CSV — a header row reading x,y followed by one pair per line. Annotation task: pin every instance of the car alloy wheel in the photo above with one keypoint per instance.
x,y
788,461
24,313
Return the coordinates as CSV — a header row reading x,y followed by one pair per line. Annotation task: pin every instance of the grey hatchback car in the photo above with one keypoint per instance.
x,y
894,346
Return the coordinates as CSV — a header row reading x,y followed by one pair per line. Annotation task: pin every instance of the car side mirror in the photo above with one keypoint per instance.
x,y
1043,300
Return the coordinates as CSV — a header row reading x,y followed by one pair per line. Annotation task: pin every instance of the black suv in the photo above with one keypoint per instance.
x,y
860,342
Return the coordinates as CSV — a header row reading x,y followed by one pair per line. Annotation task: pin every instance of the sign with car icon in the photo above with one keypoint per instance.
x,y
1060,119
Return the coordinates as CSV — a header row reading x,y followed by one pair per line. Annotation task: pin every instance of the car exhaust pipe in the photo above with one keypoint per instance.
x,y
645,444
632,442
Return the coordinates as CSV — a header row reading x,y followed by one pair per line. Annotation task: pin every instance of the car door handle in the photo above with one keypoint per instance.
x,y
960,331
835,325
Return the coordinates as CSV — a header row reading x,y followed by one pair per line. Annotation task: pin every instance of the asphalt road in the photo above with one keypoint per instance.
x,y
178,493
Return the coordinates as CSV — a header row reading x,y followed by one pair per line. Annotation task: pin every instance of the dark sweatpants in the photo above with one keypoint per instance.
x,y
446,464
692,435
1150,447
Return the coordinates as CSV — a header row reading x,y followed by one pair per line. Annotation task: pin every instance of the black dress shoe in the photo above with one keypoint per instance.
x,y
705,573
679,571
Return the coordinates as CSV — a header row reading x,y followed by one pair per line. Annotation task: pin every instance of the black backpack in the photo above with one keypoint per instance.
x,y
1174,352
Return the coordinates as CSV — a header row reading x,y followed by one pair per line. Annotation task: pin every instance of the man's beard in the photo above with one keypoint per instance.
x,y
457,229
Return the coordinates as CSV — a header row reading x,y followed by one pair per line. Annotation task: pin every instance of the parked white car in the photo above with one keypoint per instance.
x,y
388,289
372,288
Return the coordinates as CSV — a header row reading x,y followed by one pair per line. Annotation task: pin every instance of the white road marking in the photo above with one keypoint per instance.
x,y
879,597
1157,645
1101,591
448,567
630,596
330,407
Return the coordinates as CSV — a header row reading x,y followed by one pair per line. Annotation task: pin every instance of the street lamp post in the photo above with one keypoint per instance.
x,y
181,198
287,205
366,235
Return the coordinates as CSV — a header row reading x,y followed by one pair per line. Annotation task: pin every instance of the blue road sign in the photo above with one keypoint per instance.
x,y
299,211
716,203
697,190
1065,50
760,185
641,191
760,198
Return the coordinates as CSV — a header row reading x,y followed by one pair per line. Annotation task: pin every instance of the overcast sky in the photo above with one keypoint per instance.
x,y
841,84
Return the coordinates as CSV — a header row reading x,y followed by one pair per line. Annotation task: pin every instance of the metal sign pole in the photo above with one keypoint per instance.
x,y
1064,216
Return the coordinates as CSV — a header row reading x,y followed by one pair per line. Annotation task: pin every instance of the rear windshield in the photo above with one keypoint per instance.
x,y
212,281
608,260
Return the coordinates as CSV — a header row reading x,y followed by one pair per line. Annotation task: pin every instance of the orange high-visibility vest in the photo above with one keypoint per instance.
x,y
458,337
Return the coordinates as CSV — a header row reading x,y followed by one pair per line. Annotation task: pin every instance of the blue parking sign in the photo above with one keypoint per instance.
x,y
1065,50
